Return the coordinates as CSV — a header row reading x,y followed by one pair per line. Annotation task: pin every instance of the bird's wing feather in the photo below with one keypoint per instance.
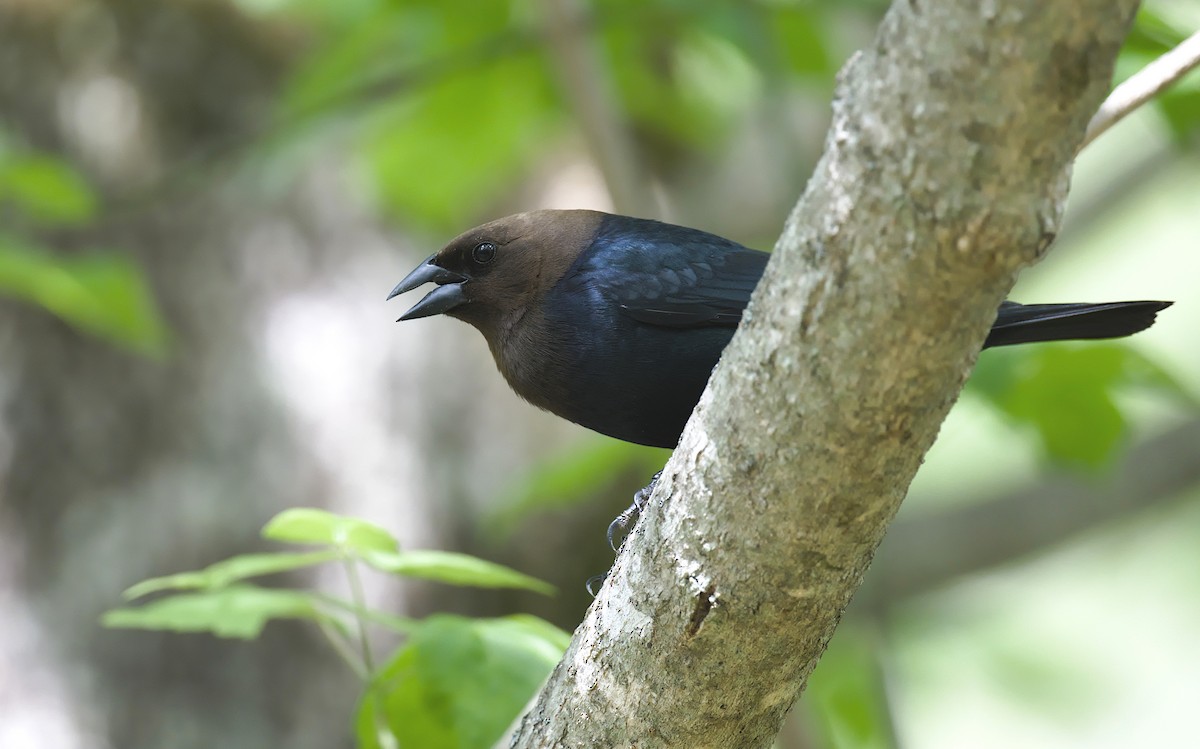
x,y
671,279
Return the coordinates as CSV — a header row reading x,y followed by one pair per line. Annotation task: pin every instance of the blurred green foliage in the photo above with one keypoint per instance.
x,y
455,683
239,611
442,107
1068,395
102,293
847,696
443,110
99,292
458,683
44,189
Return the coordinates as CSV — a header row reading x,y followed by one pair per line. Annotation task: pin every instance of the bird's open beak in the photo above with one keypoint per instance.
x,y
448,295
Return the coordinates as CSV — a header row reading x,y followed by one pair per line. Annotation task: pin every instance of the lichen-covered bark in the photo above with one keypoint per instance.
x,y
944,174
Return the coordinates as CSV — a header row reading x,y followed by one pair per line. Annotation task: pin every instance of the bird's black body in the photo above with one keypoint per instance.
x,y
650,307
616,322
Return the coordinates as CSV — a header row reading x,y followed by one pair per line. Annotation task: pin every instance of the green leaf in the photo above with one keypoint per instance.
x,y
714,75
454,569
1067,394
307,525
1180,106
1142,371
1075,415
537,635
443,107
45,189
383,40
447,150
231,570
458,682
103,294
398,624
1152,34
643,67
847,696
239,611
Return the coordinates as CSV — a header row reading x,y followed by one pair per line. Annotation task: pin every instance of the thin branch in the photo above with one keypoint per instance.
x,y
360,608
343,649
1144,85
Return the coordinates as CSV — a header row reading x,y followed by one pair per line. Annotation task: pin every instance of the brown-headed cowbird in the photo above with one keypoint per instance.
x,y
616,322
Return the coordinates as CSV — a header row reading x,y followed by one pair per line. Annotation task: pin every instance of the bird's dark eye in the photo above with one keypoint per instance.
x,y
483,253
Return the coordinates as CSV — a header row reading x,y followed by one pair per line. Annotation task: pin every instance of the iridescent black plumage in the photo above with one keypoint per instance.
x,y
616,322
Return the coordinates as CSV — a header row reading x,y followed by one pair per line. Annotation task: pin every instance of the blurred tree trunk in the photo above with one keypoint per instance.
x,y
122,466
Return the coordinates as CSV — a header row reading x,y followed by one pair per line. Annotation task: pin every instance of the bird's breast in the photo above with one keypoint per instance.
x,y
608,372
534,357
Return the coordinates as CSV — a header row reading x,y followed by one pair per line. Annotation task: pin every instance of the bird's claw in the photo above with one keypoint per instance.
x,y
631,513
621,522
594,581
627,518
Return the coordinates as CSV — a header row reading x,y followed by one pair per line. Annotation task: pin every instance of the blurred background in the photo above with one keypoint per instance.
x,y
203,204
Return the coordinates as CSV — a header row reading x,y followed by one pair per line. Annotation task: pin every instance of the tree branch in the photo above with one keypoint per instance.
x,y
1143,86
926,552
945,172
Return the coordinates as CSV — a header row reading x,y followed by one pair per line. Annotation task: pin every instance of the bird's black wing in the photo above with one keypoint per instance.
x,y
670,276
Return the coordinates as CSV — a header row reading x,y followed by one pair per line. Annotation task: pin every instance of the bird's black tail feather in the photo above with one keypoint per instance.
x,y
1029,323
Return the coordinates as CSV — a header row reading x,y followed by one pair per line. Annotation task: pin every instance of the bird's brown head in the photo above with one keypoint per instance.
x,y
491,275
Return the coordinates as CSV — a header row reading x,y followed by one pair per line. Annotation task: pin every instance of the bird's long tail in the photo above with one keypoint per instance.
x,y
1029,323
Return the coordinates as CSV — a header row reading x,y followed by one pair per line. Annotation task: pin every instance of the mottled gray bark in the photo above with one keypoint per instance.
x,y
944,174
